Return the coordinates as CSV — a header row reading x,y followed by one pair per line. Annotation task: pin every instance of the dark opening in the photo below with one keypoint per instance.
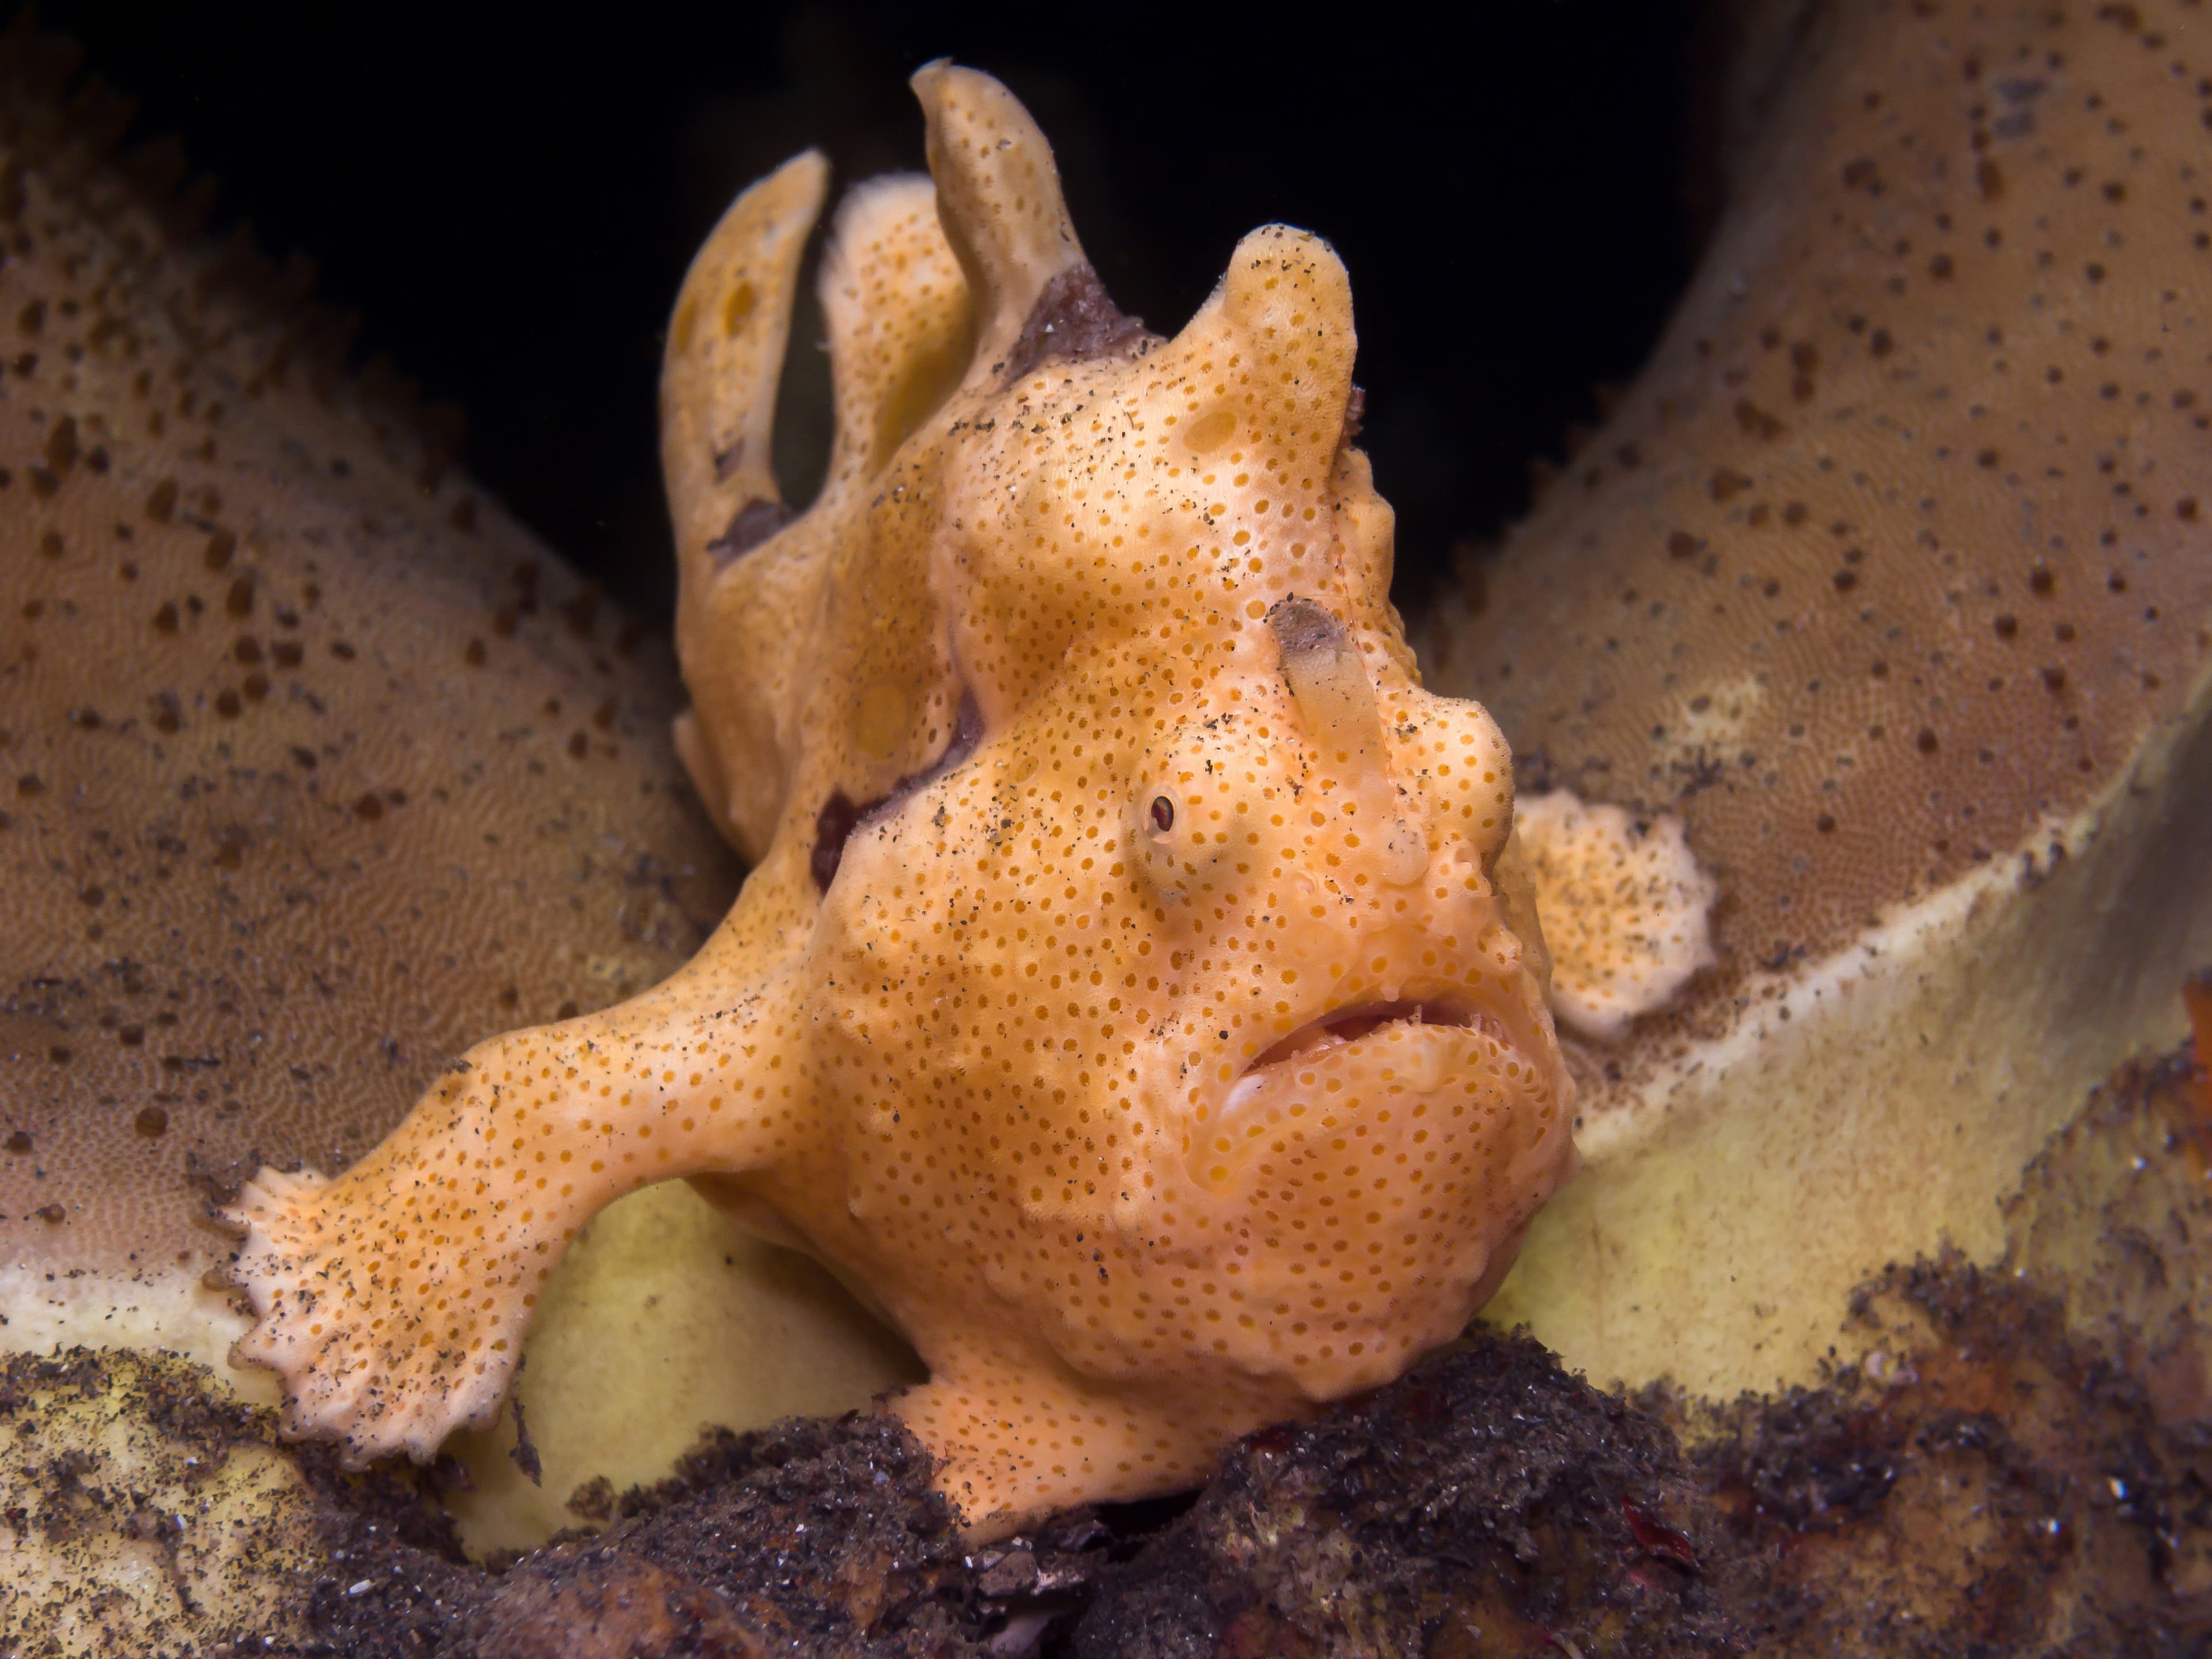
x,y
510,202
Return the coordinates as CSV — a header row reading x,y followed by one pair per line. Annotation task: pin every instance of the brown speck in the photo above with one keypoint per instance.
x,y
240,600
152,1122
165,619
1756,422
578,745
227,703
29,784
2054,678
50,544
369,808
162,501
286,654
219,546
473,653
61,445
19,1143
1927,740
2006,626
2186,509
566,1010
51,1213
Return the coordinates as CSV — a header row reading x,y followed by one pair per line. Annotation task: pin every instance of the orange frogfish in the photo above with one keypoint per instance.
x,y
1134,998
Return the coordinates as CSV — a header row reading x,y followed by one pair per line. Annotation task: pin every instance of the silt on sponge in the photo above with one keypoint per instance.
x,y
1127,1001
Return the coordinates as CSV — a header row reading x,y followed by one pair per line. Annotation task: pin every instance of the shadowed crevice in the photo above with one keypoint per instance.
x,y
1073,319
840,815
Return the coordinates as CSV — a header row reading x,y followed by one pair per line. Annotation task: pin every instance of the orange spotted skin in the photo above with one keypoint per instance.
x,y
1161,1058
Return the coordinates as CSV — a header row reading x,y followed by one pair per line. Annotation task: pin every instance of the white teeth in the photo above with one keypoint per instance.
x,y
1242,1093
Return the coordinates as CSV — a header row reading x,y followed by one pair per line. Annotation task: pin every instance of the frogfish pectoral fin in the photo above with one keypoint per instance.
x,y
393,1298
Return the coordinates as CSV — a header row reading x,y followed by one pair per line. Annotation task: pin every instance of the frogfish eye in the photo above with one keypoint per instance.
x,y
1163,813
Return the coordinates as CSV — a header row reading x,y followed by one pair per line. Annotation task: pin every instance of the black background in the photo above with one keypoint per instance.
x,y
509,198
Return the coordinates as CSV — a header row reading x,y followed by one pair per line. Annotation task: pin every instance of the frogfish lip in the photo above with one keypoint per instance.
x,y
1339,1026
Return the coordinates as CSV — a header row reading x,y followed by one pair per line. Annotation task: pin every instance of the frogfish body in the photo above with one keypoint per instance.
x,y
1133,998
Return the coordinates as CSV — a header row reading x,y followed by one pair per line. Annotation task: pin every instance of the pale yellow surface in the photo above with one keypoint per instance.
x,y
1121,1004
163,1540
666,1319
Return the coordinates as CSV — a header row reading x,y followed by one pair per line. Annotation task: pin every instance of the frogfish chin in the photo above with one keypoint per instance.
x,y
1135,997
